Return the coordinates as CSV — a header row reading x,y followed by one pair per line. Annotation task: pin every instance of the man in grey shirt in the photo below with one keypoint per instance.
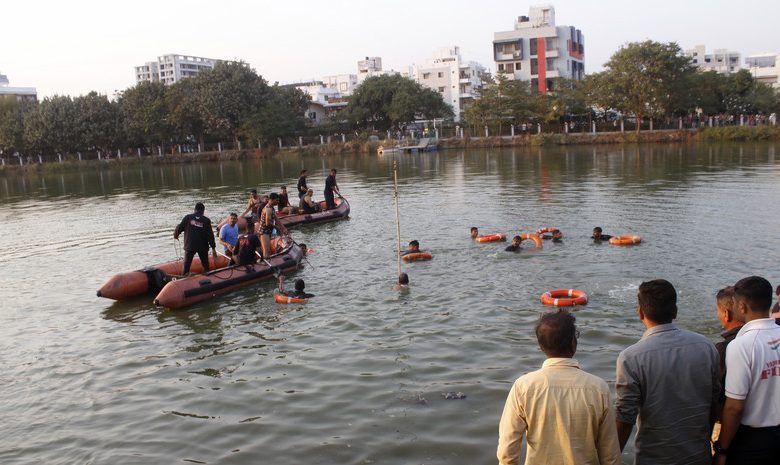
x,y
668,384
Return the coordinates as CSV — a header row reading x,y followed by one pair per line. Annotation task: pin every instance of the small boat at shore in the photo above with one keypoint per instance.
x,y
152,278
341,212
184,292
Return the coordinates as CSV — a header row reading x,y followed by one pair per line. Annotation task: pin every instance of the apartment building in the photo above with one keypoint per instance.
x,y
173,68
458,81
765,67
539,51
19,94
347,83
720,60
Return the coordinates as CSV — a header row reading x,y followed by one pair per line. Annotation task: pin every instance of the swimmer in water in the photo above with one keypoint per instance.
x,y
403,281
515,246
474,232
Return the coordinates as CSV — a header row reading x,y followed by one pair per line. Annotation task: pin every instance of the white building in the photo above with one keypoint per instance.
x,y
765,67
537,50
720,60
345,84
173,68
325,100
18,93
447,73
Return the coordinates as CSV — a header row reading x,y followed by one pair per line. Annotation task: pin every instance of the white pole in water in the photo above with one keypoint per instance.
x,y
397,214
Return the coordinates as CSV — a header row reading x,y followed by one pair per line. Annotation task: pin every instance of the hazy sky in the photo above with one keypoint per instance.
x,y
73,47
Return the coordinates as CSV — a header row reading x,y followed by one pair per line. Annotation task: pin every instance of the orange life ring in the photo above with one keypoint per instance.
x,y
564,298
532,237
541,231
491,238
415,256
625,240
286,299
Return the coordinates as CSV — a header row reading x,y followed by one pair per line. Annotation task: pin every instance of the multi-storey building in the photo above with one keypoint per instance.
x,y
720,60
16,93
457,81
173,68
347,83
537,50
765,67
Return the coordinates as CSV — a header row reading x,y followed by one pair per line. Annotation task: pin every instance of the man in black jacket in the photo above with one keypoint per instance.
x,y
198,237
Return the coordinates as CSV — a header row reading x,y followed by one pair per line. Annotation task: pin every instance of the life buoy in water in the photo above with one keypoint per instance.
x,y
380,150
564,298
532,237
625,240
491,238
415,256
286,299
541,231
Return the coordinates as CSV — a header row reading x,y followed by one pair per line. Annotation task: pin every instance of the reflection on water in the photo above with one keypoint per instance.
x,y
356,375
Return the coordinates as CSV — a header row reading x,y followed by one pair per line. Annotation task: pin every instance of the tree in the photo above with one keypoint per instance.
x,y
52,126
145,114
12,123
382,102
182,102
229,95
503,102
281,114
97,122
643,79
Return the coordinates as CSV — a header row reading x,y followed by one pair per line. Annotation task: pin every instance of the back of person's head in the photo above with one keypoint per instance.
x,y
597,229
199,207
755,292
333,171
555,332
274,196
303,172
414,243
254,191
250,227
403,278
310,191
281,188
777,290
299,285
725,296
658,300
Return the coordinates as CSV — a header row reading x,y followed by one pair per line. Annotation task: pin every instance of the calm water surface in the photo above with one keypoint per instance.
x,y
357,375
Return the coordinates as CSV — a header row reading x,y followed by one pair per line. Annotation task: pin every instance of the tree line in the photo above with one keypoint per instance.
x,y
641,80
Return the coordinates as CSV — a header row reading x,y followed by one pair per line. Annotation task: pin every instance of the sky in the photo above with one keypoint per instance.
x,y
77,46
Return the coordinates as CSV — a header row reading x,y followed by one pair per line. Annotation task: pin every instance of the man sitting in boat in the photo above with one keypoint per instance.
x,y
515,245
245,252
284,202
228,234
598,237
414,247
253,207
298,293
307,204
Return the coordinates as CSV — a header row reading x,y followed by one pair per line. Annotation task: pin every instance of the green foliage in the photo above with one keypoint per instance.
x,y
740,133
282,114
643,79
12,124
98,122
382,102
184,115
53,126
503,102
145,114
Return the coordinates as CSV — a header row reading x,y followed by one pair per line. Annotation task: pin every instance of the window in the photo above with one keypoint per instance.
x,y
500,67
510,67
426,75
441,75
343,86
534,66
517,66
532,44
441,89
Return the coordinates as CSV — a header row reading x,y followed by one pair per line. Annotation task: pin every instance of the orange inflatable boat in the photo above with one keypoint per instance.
x,y
339,213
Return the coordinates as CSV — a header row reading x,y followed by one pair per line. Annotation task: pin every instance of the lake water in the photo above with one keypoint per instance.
x,y
357,375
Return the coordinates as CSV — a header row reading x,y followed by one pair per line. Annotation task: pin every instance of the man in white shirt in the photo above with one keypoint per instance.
x,y
750,424
564,412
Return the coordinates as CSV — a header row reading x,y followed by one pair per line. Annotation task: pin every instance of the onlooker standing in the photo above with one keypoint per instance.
x,y
198,237
670,381
228,234
750,423
330,188
564,412
725,313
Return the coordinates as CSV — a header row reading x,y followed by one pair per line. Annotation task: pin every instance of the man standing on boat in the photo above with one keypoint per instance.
x,y
302,188
268,223
198,237
330,188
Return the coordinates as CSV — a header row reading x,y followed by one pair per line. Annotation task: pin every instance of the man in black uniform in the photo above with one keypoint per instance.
x,y
302,188
330,188
198,237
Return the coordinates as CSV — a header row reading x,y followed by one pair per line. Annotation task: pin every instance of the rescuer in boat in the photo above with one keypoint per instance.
x,y
198,237
302,187
245,252
414,247
515,245
268,223
228,234
253,207
331,188
307,204
474,232
598,237
284,202
298,293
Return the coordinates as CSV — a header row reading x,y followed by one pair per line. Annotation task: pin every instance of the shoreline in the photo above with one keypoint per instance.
x,y
718,134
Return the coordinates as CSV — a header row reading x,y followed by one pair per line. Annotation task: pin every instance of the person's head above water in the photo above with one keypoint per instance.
x,y
597,232
474,232
403,279
557,235
414,245
304,248
300,285
516,241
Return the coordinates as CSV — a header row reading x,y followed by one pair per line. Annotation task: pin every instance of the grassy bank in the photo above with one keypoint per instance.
x,y
739,133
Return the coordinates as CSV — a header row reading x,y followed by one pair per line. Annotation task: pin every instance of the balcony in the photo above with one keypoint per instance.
x,y
552,53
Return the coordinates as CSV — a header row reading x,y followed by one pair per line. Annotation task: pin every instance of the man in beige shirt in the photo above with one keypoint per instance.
x,y
564,412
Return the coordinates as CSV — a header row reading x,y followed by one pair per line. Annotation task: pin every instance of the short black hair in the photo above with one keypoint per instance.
x,y
777,290
274,196
299,285
250,226
199,207
597,229
755,291
234,214
555,331
254,191
414,243
658,300
474,228
303,172
518,238
726,293
403,278
333,170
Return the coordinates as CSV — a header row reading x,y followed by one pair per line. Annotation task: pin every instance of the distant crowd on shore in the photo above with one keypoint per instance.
x,y
692,402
